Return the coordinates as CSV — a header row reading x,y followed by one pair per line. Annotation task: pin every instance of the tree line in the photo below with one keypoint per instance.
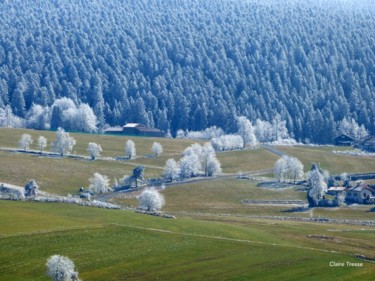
x,y
193,64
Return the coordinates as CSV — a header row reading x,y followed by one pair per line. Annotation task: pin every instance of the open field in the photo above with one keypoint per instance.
x,y
213,237
112,145
61,176
120,245
334,163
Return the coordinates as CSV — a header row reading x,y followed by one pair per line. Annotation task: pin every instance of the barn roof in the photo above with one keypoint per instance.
x,y
133,125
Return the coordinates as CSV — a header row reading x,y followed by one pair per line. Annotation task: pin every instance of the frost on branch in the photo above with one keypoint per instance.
x,y
94,150
25,141
60,268
130,149
64,143
99,184
42,143
171,170
157,149
151,200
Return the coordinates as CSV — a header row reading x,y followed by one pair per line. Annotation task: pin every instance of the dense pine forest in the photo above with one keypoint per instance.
x,y
192,64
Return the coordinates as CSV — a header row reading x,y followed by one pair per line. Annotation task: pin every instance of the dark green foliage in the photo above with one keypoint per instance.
x,y
194,64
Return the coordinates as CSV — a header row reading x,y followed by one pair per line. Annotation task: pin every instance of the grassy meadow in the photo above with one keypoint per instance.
x,y
334,163
121,245
213,237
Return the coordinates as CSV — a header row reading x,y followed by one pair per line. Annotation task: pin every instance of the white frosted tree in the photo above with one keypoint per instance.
x,y
99,184
280,169
60,268
246,131
190,166
130,149
25,141
350,127
227,142
171,170
263,131
64,143
210,163
94,150
280,130
288,167
157,149
42,143
85,119
151,200
180,134
318,186
213,166
38,117
295,169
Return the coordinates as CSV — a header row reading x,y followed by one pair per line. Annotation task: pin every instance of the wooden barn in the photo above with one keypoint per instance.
x,y
135,129
344,140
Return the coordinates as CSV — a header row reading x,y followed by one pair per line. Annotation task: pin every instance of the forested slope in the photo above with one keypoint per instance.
x,y
191,64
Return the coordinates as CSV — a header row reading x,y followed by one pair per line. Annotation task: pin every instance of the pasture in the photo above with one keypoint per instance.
x,y
121,245
215,235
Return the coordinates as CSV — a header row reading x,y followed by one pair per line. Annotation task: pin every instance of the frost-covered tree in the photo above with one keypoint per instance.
x,y
288,167
295,169
38,117
99,184
25,141
190,165
85,119
279,128
246,131
60,268
180,134
280,169
211,165
151,200
64,143
350,127
94,150
317,185
227,142
130,149
157,149
171,170
263,131
31,188
195,148
42,143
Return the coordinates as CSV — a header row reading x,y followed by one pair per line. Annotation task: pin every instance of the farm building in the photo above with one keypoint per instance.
x,y
368,144
334,190
135,129
360,193
344,140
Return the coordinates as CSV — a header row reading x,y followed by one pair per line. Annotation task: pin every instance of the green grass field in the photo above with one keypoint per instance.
x,y
120,245
334,163
213,237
